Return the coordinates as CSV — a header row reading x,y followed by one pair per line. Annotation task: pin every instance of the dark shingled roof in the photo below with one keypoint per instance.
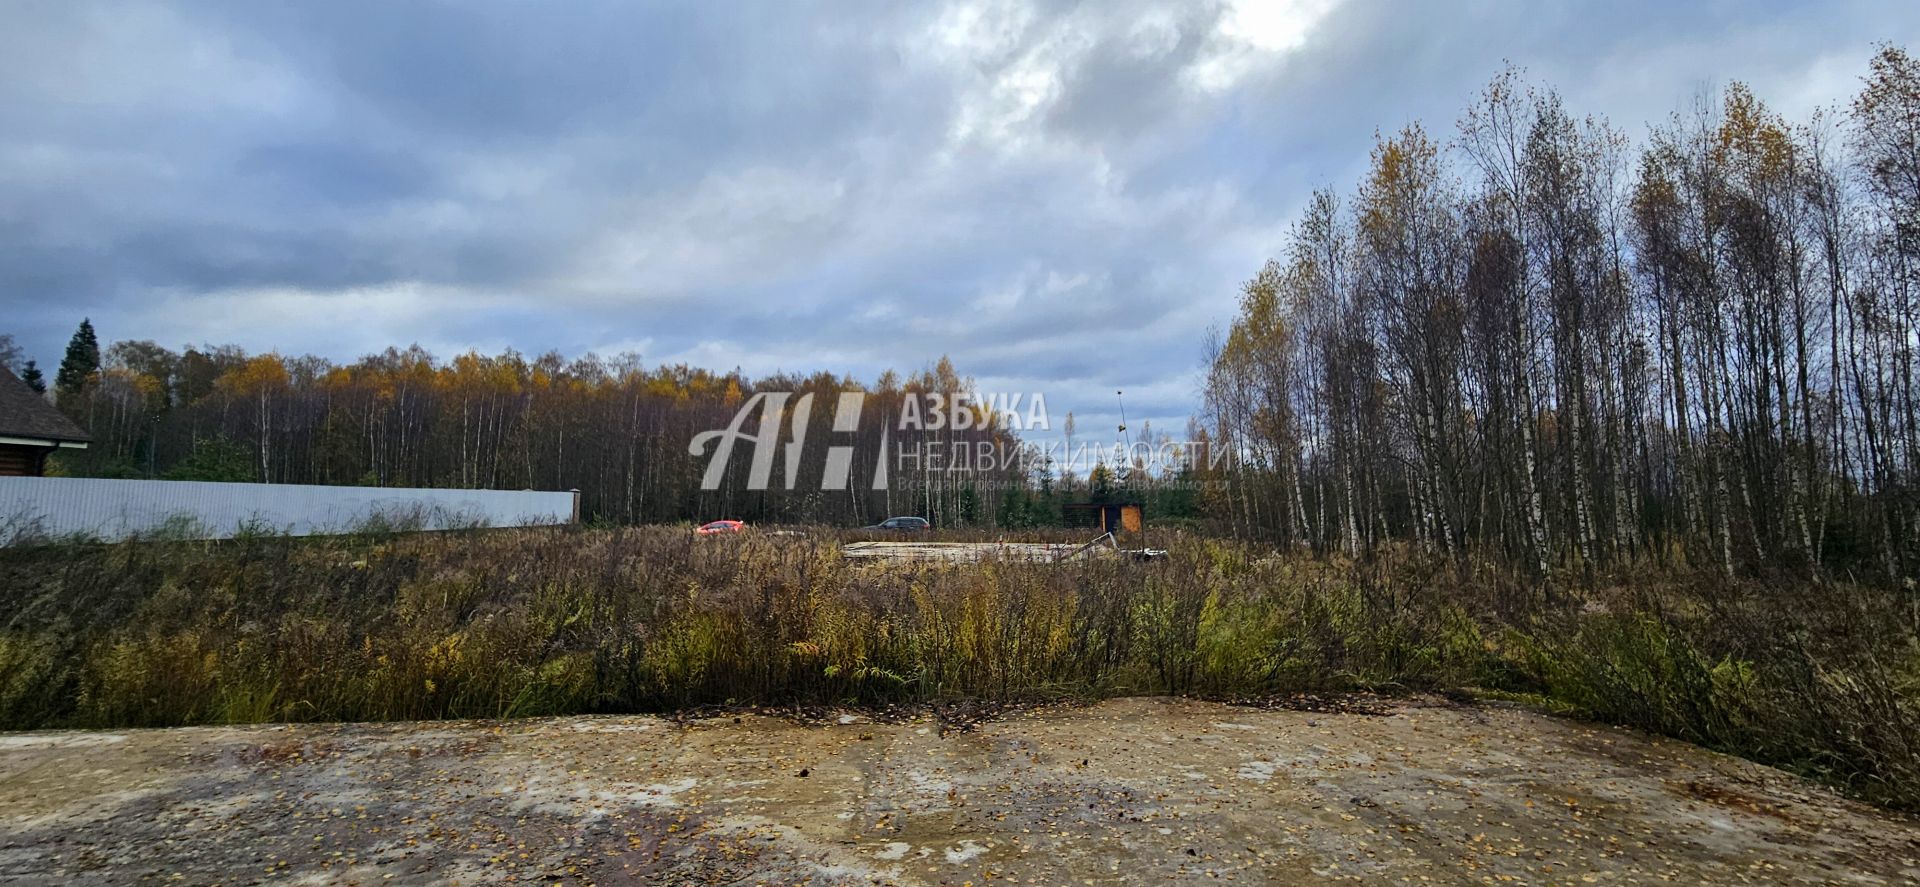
x,y
26,414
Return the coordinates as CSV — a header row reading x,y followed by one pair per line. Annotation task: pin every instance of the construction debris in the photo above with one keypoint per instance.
x,y
976,552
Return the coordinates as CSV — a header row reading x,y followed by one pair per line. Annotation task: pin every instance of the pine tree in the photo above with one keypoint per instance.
x,y
35,380
81,362
1100,482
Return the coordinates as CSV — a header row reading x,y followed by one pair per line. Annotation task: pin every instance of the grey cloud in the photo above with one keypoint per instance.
x,y
1046,191
1131,82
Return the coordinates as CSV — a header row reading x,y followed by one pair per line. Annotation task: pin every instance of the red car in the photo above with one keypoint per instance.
x,y
715,528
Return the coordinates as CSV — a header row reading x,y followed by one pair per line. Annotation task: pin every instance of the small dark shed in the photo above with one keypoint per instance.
x,y
1107,517
30,428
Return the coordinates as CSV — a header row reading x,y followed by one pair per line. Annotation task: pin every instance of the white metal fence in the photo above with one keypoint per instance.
x,y
40,508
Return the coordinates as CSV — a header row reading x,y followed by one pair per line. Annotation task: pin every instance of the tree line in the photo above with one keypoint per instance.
x,y
613,428
1542,343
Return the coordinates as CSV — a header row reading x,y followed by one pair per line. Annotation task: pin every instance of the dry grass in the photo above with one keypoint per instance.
x,y
532,622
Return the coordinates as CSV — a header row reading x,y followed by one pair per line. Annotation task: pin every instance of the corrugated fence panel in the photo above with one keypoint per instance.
x,y
42,507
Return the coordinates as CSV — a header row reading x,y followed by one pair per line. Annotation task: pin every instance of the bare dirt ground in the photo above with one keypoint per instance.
x,y
1128,791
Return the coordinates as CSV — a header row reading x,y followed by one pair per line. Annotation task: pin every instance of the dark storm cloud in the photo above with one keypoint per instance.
x,y
1062,196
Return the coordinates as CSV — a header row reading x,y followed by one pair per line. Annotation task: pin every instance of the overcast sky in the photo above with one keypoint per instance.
x,y
1062,197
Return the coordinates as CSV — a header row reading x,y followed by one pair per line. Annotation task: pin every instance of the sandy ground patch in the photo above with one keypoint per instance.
x,y
1128,791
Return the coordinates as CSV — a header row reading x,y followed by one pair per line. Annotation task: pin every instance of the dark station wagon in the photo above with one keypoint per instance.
x,y
901,525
